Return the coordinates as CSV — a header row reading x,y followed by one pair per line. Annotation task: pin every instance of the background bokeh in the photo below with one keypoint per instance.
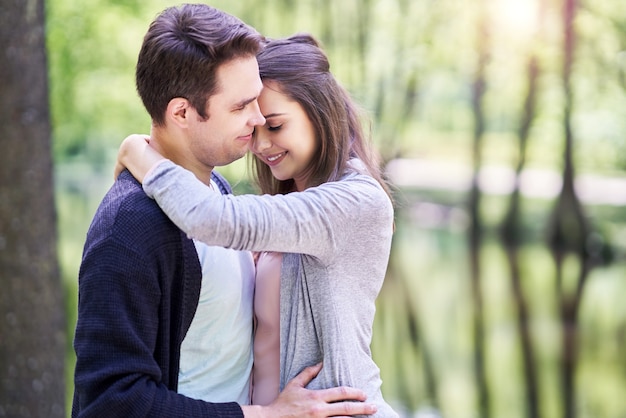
x,y
501,124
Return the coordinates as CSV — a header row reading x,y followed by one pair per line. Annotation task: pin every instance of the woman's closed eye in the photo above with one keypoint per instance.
x,y
274,128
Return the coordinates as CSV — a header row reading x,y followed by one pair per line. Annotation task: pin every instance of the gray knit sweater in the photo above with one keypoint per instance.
x,y
336,238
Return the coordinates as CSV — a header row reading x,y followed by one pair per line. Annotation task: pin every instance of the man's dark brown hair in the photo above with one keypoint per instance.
x,y
181,52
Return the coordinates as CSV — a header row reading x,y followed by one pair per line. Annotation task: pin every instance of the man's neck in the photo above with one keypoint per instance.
x,y
174,150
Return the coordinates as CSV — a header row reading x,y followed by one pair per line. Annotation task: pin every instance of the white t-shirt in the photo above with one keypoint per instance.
x,y
216,354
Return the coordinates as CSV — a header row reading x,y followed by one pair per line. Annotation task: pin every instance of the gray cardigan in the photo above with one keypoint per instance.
x,y
336,238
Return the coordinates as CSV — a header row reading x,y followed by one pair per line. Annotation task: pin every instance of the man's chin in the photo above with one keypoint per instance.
x,y
234,158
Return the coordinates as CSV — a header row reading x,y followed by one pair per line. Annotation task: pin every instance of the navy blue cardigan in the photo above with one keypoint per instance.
x,y
139,284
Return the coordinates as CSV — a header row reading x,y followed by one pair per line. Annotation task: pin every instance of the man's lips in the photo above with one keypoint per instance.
x,y
245,137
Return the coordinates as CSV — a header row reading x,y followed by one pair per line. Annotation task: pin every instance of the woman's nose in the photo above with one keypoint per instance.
x,y
259,142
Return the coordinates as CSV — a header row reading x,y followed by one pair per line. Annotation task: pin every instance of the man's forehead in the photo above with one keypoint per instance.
x,y
238,81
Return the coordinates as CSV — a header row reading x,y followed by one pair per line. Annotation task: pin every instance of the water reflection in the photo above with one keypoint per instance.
x,y
424,340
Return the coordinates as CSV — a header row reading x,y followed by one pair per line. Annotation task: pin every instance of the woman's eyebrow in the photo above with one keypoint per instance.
x,y
272,115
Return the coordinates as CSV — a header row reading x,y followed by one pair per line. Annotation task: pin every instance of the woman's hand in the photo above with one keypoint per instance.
x,y
136,155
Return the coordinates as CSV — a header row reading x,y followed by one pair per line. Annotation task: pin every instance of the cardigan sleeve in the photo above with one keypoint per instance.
x,y
313,222
119,340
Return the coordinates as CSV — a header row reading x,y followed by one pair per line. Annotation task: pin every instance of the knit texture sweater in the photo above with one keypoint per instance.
x,y
336,240
139,284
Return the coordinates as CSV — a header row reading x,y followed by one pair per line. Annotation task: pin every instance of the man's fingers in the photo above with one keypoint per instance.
x,y
348,409
342,401
305,376
342,393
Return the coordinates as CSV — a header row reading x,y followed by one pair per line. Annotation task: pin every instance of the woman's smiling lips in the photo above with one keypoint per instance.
x,y
274,159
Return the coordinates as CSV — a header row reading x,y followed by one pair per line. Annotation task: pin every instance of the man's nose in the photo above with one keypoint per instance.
x,y
257,118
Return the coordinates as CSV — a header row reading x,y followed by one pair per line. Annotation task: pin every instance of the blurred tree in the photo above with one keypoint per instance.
x,y
512,230
93,48
421,68
31,309
569,229
476,228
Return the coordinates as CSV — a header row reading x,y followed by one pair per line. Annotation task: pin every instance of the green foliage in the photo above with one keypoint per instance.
x,y
409,63
92,51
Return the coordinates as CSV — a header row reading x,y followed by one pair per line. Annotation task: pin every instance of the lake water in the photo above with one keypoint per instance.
x,y
423,338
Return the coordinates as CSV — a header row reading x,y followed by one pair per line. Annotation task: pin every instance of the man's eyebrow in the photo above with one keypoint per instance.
x,y
245,102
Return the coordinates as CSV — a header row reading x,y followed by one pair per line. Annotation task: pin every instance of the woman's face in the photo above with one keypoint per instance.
x,y
286,143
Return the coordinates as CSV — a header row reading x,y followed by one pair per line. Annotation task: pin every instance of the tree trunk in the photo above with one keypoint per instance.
x,y
568,231
511,233
476,226
31,310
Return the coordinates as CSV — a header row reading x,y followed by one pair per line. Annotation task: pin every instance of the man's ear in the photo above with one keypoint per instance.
x,y
178,111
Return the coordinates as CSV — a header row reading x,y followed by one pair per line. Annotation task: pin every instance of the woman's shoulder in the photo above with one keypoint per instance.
x,y
356,166
357,173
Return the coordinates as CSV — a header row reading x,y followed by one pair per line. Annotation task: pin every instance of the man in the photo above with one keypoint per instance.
x,y
165,323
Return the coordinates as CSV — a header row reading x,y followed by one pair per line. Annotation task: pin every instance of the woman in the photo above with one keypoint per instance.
x,y
324,224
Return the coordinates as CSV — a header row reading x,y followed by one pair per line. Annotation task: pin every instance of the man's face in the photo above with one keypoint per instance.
x,y
233,114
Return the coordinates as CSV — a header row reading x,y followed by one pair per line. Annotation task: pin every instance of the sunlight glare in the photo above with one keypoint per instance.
x,y
519,16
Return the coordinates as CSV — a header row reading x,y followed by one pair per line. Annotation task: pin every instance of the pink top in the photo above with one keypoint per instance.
x,y
266,369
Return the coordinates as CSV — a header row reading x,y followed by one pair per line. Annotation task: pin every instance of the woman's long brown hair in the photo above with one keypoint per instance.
x,y
300,69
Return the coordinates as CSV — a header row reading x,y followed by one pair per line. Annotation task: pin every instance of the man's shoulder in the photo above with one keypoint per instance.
x,y
221,182
126,197
126,209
